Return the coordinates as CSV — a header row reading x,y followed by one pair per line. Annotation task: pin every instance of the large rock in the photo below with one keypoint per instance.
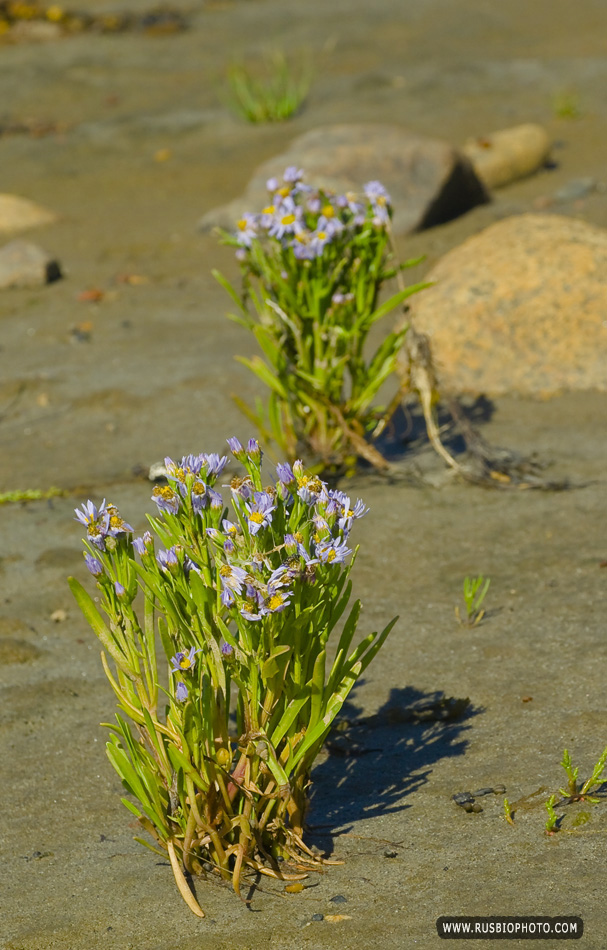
x,y
509,154
520,307
19,214
26,265
430,182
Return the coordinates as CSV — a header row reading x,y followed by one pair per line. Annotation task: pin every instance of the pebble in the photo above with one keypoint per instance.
x,y
318,916
26,265
19,214
390,853
339,899
575,189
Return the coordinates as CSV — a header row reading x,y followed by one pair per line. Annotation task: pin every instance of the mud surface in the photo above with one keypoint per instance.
x,y
92,392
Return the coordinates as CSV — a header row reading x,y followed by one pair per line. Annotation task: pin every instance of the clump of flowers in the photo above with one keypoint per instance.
x,y
215,740
313,266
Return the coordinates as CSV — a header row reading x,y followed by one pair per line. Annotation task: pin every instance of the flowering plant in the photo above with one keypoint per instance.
x,y
313,265
244,606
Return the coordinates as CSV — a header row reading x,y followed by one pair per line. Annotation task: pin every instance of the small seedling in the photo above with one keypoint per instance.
x,y
276,96
572,792
508,813
566,105
553,821
475,590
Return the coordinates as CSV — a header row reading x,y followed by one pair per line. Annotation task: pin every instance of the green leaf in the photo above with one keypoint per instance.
x,y
101,631
257,366
229,289
394,301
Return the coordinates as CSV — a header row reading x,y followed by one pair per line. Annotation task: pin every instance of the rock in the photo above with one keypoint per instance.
x,y
508,155
19,214
575,189
26,265
520,307
429,181
35,31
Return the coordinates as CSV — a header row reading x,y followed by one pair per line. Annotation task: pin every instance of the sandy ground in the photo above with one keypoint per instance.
x,y
154,375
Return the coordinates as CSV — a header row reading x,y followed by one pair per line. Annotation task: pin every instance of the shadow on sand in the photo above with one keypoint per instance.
x,y
375,762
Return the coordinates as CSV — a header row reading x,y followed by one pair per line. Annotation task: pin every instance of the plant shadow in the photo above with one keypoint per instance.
x,y
406,433
375,762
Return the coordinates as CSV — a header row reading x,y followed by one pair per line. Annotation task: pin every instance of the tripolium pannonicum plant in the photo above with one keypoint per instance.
x,y
314,264
217,734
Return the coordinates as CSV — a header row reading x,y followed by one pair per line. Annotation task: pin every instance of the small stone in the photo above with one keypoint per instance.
x,y
575,189
19,214
339,899
509,154
157,471
390,853
318,917
26,265
58,616
460,798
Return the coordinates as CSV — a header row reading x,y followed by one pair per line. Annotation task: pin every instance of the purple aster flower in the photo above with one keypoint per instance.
x,y
227,597
376,193
260,512
253,451
285,473
139,545
181,692
229,546
236,448
277,600
184,661
314,204
216,463
166,499
319,240
311,489
246,230
241,255
232,577
200,496
272,185
190,565
266,218
302,248
287,219
292,174
116,524
331,551
94,565
168,560
120,591
227,649
216,499
96,522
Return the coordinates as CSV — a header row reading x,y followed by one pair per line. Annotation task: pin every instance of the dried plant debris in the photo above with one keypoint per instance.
x,y
155,20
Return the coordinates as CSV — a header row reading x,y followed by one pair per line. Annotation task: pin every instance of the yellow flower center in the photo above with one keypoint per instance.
x,y
328,211
288,219
242,224
165,492
269,210
257,517
275,601
331,556
284,191
321,235
184,663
